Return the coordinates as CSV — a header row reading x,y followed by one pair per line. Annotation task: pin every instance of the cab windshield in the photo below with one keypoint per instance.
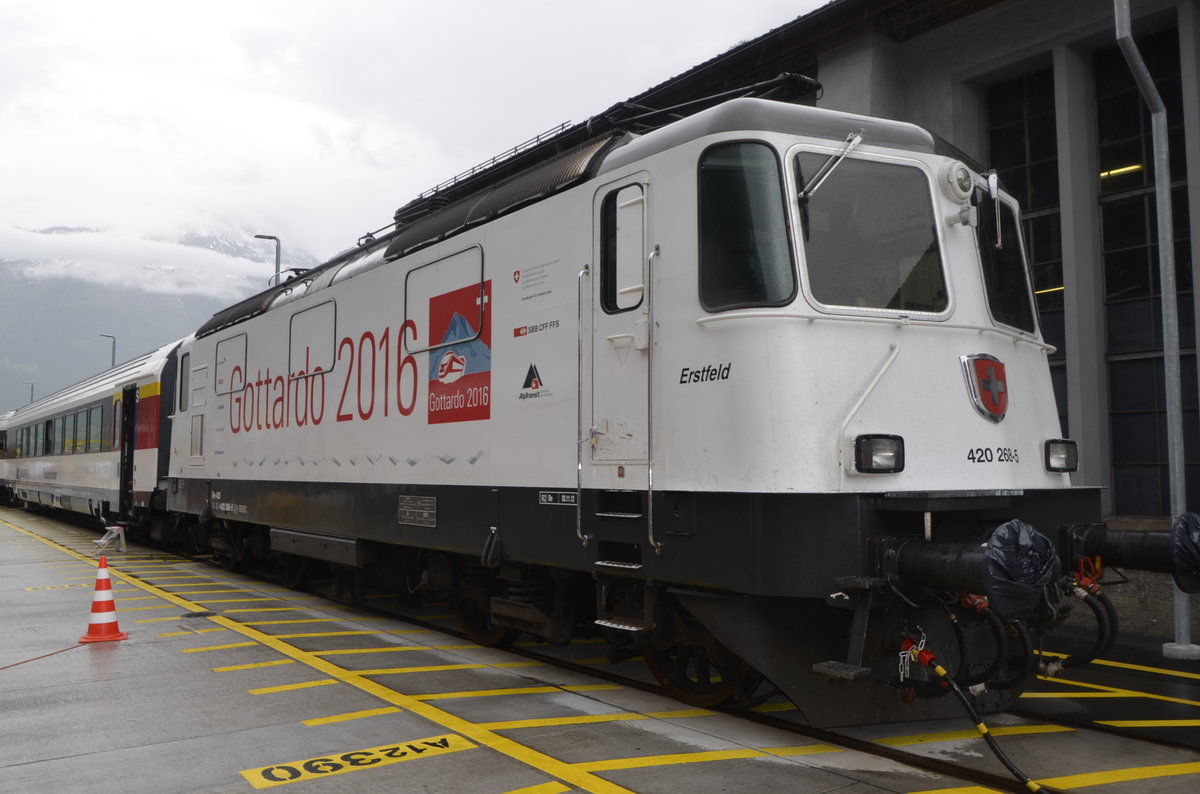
x,y
869,236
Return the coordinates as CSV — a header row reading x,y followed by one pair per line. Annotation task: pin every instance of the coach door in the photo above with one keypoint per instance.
x,y
620,347
128,436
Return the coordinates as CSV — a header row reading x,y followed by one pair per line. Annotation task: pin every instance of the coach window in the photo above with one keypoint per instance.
x,y
81,420
869,234
622,249
116,424
56,437
184,373
95,413
745,258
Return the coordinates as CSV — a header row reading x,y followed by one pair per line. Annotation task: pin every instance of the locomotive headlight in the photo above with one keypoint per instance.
x,y
957,180
1062,455
879,454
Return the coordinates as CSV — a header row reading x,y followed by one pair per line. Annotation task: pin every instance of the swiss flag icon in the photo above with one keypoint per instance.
x,y
987,383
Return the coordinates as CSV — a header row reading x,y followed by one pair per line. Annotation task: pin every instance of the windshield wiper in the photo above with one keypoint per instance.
x,y
852,142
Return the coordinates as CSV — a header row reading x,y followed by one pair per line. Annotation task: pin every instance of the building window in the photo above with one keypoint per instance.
x,y
1132,293
1023,148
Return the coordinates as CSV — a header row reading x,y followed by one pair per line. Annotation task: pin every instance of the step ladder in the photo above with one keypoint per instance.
x,y
115,533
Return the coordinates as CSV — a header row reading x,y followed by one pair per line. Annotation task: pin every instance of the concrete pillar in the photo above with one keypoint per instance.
x,y
1083,272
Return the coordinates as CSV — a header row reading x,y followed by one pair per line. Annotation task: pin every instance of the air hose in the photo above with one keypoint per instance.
x,y
927,658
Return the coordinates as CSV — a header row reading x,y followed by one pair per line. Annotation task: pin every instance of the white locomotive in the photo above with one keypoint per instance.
x,y
750,392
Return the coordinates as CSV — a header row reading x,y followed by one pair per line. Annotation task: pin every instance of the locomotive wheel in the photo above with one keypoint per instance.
x,y
291,570
694,676
475,618
229,549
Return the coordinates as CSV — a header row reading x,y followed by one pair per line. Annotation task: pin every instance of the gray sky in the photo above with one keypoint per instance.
x,y
310,120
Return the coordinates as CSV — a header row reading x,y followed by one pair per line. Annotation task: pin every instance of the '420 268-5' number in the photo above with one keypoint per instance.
x,y
993,455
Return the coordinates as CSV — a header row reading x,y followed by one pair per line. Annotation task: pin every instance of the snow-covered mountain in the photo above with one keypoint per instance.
x,y
62,286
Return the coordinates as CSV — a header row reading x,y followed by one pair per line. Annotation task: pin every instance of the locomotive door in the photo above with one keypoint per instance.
x,y
620,354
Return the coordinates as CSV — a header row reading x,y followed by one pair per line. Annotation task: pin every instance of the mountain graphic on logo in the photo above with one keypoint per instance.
x,y
475,354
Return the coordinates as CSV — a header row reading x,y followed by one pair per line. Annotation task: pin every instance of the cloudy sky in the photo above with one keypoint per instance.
x,y
309,120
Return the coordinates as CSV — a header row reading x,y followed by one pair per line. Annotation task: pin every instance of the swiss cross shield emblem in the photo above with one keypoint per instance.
x,y
987,384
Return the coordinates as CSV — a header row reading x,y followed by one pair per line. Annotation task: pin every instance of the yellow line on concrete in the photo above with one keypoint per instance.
x,y
158,577
484,693
155,620
353,715
1074,695
1150,723
230,600
253,665
261,609
143,609
1127,666
271,690
641,762
543,788
341,633
190,632
135,598
207,648
768,708
1086,779
951,736
390,648
569,773
1113,691
438,668
550,722
287,622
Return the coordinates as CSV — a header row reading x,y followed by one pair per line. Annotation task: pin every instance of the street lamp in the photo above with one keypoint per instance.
x,y
30,385
276,239
113,362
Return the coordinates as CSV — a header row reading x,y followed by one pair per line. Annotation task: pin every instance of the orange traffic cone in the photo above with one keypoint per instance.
x,y
102,623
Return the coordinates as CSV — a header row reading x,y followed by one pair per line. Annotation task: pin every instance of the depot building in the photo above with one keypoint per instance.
x,y
1041,92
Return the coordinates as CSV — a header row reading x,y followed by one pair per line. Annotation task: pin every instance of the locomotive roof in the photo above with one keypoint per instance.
x,y
563,162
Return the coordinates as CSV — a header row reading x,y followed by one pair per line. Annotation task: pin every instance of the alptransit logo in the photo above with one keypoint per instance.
x,y
533,387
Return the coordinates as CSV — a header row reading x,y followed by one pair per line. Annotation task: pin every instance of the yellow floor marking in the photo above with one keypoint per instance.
x,y
353,761
1113,691
143,609
544,788
666,760
1121,775
341,633
285,622
438,668
593,687
679,714
963,790
768,708
569,773
155,620
484,693
1126,666
353,715
134,598
220,647
207,592
386,649
158,577
230,600
550,722
253,666
260,609
1150,723
950,736
270,690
